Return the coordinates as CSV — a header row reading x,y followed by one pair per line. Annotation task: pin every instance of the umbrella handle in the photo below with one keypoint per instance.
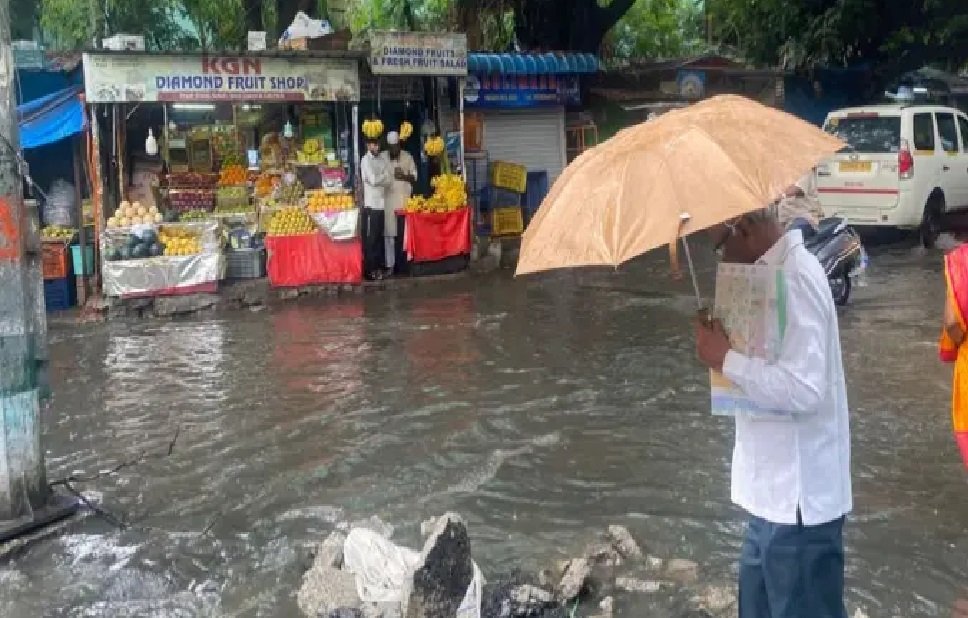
x,y
700,305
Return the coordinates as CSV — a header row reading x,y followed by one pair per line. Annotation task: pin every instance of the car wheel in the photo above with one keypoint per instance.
x,y
840,289
931,222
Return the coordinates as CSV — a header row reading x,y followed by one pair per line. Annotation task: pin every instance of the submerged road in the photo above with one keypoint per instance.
x,y
542,410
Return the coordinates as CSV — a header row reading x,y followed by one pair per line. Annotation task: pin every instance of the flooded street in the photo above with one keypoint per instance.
x,y
541,410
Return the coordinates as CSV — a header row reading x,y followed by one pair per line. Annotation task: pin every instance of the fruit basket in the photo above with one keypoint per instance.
x,y
233,200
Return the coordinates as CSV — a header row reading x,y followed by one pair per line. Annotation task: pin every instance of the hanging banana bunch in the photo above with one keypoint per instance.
x,y
373,128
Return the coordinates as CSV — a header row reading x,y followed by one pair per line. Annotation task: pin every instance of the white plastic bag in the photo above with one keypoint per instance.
x,y
305,27
383,568
61,205
470,607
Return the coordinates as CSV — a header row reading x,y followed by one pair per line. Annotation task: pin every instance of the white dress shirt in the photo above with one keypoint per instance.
x,y
375,172
800,456
401,190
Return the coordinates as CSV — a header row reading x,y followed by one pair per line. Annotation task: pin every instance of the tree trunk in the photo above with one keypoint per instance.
x,y
541,25
408,19
253,15
468,20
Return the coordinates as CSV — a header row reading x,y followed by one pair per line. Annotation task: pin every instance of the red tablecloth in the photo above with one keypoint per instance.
x,y
313,259
429,237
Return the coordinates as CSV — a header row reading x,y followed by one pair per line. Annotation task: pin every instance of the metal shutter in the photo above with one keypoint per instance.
x,y
533,138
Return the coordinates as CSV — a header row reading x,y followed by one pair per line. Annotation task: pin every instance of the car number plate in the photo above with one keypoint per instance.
x,y
855,166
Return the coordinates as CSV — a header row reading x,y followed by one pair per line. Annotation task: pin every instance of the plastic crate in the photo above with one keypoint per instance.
x,y
537,191
245,264
54,260
78,264
502,198
507,222
509,176
59,294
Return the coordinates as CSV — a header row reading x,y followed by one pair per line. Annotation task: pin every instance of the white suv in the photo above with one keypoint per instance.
x,y
905,168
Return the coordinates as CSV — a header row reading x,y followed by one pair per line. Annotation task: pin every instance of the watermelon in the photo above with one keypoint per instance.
x,y
156,249
141,250
149,237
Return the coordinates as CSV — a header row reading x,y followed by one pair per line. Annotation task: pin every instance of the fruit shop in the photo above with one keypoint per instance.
x,y
231,167
406,83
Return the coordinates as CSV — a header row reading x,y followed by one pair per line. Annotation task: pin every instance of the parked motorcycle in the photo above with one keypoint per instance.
x,y
840,251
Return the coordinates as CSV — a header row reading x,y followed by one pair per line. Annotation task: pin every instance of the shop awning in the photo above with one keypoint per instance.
x,y
51,118
533,64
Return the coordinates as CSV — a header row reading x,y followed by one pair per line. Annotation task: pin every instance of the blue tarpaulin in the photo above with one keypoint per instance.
x,y
50,118
533,64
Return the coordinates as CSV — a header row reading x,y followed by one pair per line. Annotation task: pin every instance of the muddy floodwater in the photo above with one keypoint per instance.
x,y
542,410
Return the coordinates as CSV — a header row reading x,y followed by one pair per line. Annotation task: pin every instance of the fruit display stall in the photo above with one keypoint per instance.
x,y
254,159
437,226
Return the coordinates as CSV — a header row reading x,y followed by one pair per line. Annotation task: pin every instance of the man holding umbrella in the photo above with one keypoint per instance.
x,y
711,167
791,469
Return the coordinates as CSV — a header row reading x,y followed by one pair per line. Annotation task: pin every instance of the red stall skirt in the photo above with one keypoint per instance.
x,y
313,259
429,237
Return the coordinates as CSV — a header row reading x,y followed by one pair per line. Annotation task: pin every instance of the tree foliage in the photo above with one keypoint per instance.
x,y
658,29
222,24
74,24
803,33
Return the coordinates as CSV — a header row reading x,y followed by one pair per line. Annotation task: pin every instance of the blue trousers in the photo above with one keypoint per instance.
x,y
792,571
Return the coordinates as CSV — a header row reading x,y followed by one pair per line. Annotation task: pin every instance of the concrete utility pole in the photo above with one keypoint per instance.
x,y
25,499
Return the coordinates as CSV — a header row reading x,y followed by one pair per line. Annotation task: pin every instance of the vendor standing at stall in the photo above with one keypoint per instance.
x,y
376,175
404,178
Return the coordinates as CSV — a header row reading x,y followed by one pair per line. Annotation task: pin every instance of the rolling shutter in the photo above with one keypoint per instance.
x,y
533,138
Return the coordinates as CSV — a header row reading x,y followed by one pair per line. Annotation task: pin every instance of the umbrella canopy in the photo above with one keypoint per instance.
x,y
688,170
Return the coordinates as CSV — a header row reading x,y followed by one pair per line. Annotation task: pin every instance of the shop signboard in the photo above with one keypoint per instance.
x,y
133,78
521,91
418,53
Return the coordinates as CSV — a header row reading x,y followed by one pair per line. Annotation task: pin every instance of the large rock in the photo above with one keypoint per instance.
x,y
444,572
326,590
621,539
573,579
519,595
329,553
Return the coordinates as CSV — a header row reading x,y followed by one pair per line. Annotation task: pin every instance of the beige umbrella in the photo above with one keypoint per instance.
x,y
653,183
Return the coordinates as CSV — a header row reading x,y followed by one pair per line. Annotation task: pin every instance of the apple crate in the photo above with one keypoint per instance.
x,y
55,263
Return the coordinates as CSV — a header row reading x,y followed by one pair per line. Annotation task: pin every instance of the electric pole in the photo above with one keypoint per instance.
x,y
25,499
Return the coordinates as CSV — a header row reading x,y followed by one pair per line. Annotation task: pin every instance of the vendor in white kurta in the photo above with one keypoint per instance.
x,y
376,176
404,172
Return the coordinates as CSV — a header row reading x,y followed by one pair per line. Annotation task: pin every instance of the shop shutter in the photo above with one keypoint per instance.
x,y
533,138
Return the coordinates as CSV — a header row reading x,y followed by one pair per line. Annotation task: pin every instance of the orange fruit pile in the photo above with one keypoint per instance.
x,y
232,175
320,201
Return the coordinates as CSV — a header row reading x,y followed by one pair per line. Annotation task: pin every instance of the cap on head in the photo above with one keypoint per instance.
x,y
393,138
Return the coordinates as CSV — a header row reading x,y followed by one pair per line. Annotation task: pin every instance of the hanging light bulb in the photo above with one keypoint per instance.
x,y
287,130
151,144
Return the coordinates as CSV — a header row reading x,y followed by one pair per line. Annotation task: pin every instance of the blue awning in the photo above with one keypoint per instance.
x,y
533,64
51,118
